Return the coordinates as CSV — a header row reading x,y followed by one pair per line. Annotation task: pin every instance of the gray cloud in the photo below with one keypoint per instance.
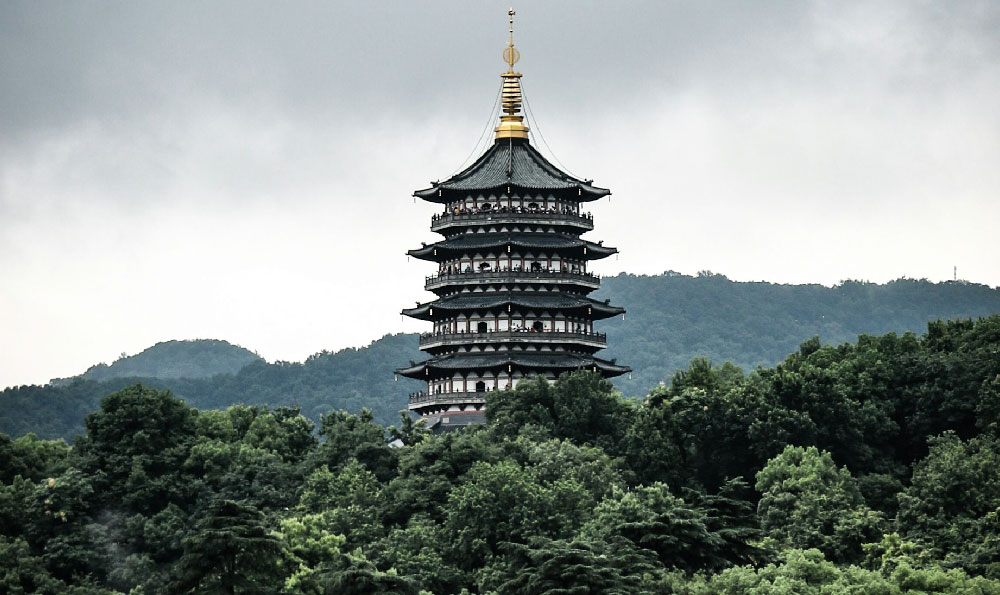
x,y
234,159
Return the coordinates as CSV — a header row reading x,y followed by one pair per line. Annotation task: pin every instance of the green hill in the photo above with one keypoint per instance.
x,y
671,319
201,358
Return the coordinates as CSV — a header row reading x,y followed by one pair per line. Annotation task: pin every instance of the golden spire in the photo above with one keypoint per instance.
x,y
511,122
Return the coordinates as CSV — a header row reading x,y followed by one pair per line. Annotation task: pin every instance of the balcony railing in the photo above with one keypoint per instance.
x,y
428,340
442,220
503,274
423,399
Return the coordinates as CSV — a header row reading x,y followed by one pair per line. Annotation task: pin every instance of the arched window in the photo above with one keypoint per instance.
x,y
538,326
480,387
482,328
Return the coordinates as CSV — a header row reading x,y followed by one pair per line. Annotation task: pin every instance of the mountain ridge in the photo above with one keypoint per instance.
x,y
672,318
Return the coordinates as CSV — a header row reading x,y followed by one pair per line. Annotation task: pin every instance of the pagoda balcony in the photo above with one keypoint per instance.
x,y
584,221
435,340
423,400
588,280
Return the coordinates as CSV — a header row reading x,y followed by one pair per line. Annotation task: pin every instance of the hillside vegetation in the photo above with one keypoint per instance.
x,y
671,320
871,467
201,358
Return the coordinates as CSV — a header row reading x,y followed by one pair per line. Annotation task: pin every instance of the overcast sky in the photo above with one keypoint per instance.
x,y
243,170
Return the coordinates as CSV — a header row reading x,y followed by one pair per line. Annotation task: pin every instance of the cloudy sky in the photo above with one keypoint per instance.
x,y
243,170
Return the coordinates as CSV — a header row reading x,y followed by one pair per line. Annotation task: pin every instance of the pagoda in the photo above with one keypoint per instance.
x,y
512,279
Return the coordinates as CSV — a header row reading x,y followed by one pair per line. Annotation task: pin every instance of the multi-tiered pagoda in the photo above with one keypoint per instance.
x,y
512,278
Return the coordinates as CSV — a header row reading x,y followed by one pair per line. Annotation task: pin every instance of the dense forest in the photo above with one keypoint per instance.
x,y
868,467
672,319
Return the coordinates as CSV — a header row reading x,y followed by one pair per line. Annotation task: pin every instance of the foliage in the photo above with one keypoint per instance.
x,y
554,567
177,359
672,319
952,507
874,467
229,550
806,502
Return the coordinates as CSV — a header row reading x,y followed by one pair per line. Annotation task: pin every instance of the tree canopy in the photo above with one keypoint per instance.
x,y
871,467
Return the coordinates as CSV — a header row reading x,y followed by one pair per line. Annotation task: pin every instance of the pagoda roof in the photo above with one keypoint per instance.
x,y
512,163
463,243
560,361
492,300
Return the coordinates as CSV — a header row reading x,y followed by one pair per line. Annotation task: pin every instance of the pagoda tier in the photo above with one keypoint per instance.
x,y
515,335
483,214
504,244
504,279
513,302
511,163
511,286
457,384
503,363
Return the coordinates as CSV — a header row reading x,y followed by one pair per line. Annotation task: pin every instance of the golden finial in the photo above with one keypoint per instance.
x,y
511,122
511,55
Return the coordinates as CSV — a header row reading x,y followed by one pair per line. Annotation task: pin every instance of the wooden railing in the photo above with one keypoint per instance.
x,y
509,335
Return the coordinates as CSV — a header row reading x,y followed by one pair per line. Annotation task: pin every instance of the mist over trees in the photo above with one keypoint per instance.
x,y
868,467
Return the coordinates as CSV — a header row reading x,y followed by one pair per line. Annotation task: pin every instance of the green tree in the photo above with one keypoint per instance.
x,y
953,503
310,550
556,567
22,572
60,526
135,448
419,551
430,469
807,502
504,502
349,502
347,437
230,551
580,406
360,577
680,535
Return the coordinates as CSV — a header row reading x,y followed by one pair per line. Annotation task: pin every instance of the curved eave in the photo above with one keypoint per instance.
x,y
442,193
479,302
510,165
498,242
560,362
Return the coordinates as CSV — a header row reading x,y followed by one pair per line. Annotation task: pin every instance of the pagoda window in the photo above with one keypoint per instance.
x,y
480,386
482,327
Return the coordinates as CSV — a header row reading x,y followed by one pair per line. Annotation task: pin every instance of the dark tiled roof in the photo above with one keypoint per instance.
x,y
476,241
492,300
557,361
515,163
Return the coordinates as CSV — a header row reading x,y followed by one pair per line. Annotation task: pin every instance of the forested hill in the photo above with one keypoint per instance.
x,y
671,320
861,468
201,358
348,379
